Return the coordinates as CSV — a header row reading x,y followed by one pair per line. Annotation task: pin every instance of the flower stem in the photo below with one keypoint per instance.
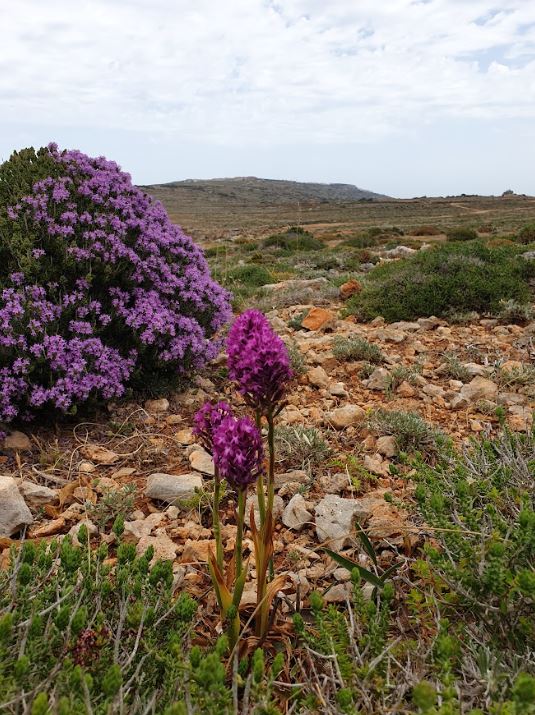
x,y
260,482
239,535
216,521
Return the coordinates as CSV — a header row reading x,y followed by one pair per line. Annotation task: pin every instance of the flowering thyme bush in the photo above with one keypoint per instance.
x,y
98,289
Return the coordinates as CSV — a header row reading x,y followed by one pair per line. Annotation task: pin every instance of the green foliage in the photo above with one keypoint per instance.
x,y
412,433
443,280
485,503
300,446
297,359
511,311
294,239
454,368
249,275
113,504
463,233
526,233
356,349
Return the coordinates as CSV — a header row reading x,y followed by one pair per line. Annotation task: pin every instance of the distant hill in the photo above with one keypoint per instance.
x,y
251,190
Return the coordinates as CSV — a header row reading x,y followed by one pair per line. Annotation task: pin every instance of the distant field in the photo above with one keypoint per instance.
x,y
209,211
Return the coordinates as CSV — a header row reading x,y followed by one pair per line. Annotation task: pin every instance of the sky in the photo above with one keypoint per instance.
x,y
402,97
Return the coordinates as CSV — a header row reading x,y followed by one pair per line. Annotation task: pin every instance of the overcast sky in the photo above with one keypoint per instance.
x,y
404,97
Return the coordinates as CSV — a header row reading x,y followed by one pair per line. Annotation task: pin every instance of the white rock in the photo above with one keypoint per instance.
x,y
36,494
337,389
92,530
136,530
14,513
164,547
173,488
201,461
296,476
334,520
296,515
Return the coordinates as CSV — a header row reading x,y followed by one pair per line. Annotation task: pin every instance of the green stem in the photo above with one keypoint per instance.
x,y
239,535
260,482
216,521
271,467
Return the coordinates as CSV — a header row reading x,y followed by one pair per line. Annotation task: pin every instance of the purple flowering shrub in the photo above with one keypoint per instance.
x,y
99,291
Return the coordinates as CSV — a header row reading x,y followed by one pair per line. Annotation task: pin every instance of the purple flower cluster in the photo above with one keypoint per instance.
x,y
238,451
258,361
110,289
207,420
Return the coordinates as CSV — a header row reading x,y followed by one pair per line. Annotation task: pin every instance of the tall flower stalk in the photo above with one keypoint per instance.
x,y
236,446
259,363
206,421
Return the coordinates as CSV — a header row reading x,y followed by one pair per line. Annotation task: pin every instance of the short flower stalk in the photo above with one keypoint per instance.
x,y
259,364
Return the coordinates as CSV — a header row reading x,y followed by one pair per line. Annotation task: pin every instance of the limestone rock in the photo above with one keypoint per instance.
x,y
14,513
137,529
92,530
172,488
164,547
98,454
318,377
480,388
337,389
296,476
387,446
18,442
345,416
334,520
36,494
157,406
379,379
406,390
295,516
335,483
201,461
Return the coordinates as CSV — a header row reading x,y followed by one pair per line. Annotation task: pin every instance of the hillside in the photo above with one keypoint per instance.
x,y
219,208
252,190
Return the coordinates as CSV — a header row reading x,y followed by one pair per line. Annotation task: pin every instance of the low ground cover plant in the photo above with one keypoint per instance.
x,y
462,233
442,280
356,349
99,291
295,238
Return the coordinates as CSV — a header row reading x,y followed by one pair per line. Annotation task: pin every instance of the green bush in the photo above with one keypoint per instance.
x,y
294,239
526,234
356,349
462,234
443,280
411,432
483,506
250,275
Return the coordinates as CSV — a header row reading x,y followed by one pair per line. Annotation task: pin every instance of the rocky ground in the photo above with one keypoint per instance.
x,y
337,460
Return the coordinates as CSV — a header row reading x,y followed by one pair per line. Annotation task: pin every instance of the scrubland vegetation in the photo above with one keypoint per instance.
x,y
399,574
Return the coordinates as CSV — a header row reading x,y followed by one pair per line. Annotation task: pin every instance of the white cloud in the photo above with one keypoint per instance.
x,y
263,71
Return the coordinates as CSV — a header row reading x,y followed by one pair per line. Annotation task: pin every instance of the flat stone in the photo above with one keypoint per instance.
x,y
14,513
173,488
379,379
137,529
374,463
99,454
157,406
185,437
201,461
339,593
295,516
164,547
334,520
345,416
318,377
335,483
295,476
337,389
480,388
198,550
18,442
36,494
